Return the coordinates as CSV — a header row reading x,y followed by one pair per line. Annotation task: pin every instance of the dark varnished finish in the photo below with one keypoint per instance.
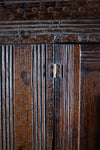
x,y
46,113
23,97
6,97
67,101
90,97
37,111
49,21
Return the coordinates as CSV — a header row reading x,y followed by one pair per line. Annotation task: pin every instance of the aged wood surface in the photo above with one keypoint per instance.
x,y
23,97
90,97
50,142
55,21
37,111
42,109
67,101
6,98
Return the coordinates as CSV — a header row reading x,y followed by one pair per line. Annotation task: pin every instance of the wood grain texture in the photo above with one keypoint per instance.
x,y
44,22
90,82
90,97
90,57
23,97
90,114
6,98
40,112
50,129
50,10
67,101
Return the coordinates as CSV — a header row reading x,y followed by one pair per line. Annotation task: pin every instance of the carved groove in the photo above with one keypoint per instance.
x,y
6,98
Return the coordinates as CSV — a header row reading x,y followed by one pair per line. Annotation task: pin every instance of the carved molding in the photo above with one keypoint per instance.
x,y
49,22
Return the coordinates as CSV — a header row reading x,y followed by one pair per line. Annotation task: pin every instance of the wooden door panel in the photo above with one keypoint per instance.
x,y
90,97
26,97
41,112
67,98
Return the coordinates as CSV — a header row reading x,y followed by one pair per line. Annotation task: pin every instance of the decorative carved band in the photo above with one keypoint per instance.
x,y
55,21
50,10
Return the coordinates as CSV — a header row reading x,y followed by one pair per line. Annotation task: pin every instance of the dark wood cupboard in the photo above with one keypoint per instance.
x,y
49,75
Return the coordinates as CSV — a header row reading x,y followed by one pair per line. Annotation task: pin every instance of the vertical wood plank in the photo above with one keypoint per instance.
x,y
43,72
73,96
23,97
70,94
59,53
66,106
7,100
67,97
39,96
76,93
50,127
28,105
35,101
32,53
63,119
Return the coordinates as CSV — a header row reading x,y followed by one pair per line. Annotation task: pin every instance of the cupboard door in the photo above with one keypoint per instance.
x,y
26,97
77,97
43,111
67,97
